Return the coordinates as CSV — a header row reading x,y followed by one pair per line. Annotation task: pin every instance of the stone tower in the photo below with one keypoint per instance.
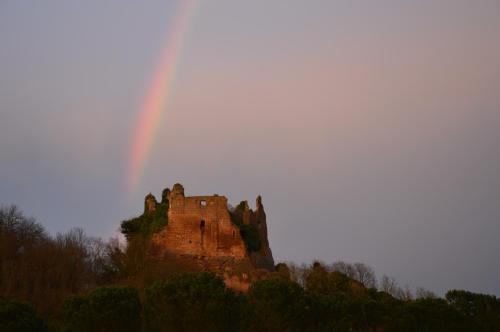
x,y
202,227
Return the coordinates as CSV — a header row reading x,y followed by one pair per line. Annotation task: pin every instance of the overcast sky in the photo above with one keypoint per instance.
x,y
370,128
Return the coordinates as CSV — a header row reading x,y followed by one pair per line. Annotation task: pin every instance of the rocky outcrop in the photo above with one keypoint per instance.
x,y
264,257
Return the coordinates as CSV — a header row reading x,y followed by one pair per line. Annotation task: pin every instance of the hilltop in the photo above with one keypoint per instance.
x,y
206,234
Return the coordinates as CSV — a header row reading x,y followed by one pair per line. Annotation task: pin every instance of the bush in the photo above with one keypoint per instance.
x,y
18,317
105,309
482,309
278,305
192,302
146,224
251,237
437,315
249,232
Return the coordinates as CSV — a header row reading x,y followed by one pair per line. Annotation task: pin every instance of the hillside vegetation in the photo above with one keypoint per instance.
x,y
72,282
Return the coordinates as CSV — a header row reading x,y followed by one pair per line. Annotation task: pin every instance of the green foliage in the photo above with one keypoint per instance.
x,y
241,206
251,237
48,271
483,309
17,316
147,224
192,302
195,302
436,315
278,305
340,303
249,233
105,309
319,280
283,271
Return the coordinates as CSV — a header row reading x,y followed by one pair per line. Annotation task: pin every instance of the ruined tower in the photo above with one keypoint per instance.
x,y
200,226
204,228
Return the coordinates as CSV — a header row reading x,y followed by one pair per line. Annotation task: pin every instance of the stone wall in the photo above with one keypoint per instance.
x,y
200,231
200,226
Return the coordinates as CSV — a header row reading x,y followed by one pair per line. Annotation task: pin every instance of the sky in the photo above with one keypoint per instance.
x,y
370,128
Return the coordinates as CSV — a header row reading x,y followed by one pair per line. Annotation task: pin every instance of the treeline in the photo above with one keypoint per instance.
x,y
72,282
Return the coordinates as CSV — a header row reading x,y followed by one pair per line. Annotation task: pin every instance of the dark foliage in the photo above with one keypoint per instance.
x,y
249,233
278,305
147,223
105,309
482,309
192,302
63,278
17,316
251,237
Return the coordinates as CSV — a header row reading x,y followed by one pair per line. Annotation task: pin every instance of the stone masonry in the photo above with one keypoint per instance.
x,y
201,227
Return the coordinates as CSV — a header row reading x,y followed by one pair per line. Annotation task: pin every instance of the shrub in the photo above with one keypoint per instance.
x,y
251,237
192,302
18,316
146,224
104,309
279,305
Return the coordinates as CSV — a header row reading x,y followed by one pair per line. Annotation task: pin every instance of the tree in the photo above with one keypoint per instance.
x,y
365,275
283,271
483,309
193,302
105,309
357,271
405,294
422,293
389,285
278,305
345,268
319,280
18,233
297,273
436,315
35,267
17,316
150,221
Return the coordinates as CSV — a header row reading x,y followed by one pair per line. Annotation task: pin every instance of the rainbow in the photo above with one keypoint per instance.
x,y
158,94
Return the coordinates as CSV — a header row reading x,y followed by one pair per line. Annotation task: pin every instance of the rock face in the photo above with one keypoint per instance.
x,y
203,229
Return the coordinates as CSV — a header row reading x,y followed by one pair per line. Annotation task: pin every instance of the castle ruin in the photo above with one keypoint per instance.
x,y
207,230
